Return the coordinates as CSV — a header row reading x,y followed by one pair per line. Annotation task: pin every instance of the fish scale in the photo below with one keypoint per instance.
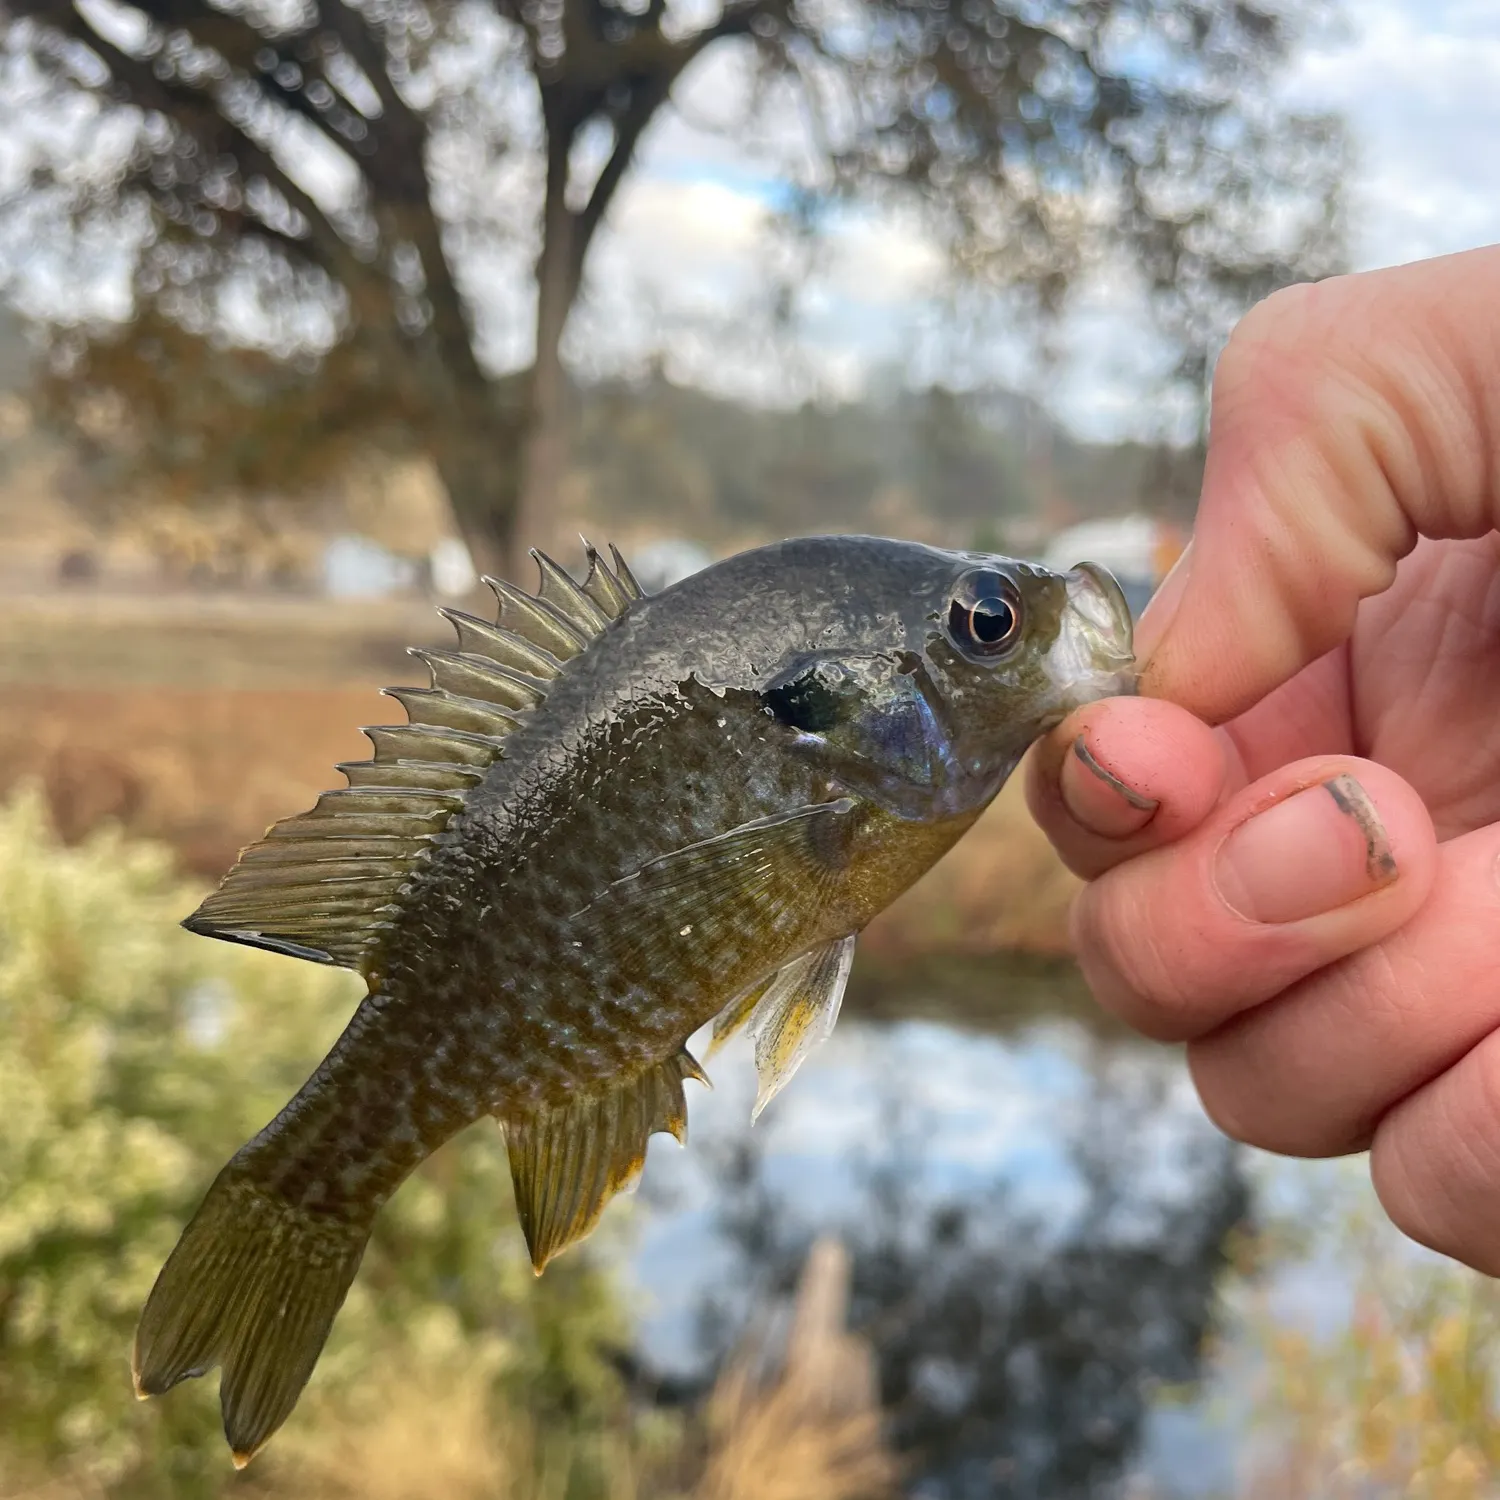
x,y
610,819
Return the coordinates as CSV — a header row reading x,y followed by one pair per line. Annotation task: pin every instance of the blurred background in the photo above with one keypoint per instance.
x,y
314,311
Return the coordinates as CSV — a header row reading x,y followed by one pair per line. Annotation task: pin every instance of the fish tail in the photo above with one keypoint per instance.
x,y
253,1286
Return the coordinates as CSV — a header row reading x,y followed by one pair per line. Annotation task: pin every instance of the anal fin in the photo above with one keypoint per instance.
x,y
567,1161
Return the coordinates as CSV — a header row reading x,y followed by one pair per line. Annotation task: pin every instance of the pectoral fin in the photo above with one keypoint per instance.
x,y
568,1161
756,883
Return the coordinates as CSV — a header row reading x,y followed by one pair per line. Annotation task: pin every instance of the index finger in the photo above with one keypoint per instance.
x,y
1348,418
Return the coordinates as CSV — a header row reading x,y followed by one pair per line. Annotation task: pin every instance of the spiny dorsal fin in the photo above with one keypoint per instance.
x,y
567,1161
321,885
478,637
534,619
627,578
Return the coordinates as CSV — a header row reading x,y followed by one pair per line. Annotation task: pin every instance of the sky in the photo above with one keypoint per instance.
x,y
1418,81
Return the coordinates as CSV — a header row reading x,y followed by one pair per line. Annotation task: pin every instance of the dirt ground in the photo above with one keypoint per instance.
x,y
200,722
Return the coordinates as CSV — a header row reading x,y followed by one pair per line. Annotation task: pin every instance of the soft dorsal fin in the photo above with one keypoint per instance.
x,y
567,1161
321,885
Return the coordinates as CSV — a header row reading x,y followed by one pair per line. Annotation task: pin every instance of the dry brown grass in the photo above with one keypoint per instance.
x,y
203,769
813,1432
798,1423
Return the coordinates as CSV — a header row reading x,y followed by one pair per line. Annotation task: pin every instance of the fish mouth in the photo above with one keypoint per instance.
x,y
1095,653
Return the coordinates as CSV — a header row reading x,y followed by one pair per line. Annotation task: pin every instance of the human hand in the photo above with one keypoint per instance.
x,y
1313,904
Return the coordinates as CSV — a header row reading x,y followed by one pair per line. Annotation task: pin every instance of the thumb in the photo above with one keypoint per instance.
x,y
1348,418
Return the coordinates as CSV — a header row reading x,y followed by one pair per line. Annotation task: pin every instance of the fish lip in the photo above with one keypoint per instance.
x,y
1102,604
1094,656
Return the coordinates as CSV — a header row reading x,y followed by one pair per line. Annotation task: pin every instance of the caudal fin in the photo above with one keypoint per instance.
x,y
253,1286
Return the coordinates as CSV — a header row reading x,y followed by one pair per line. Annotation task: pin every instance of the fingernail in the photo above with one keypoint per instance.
x,y
1315,852
1158,614
1099,800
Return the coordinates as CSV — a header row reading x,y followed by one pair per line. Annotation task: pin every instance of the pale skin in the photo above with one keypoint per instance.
x,y
1332,959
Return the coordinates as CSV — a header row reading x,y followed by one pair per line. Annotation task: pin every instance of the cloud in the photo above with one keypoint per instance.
x,y
1419,83
1420,86
668,225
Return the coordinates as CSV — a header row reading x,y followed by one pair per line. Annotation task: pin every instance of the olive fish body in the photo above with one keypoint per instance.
x,y
611,819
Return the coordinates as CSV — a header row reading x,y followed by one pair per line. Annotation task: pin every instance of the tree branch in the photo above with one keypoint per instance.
x,y
397,179
647,95
242,46
195,113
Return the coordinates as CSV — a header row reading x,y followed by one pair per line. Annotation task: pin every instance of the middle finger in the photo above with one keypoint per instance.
x,y
1309,864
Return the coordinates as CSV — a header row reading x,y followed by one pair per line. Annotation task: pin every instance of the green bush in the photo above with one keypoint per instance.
x,y
134,1058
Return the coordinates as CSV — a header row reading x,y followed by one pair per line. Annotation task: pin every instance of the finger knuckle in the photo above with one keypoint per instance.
x,y
1405,1195
1224,1104
1259,1092
1271,356
1231,1092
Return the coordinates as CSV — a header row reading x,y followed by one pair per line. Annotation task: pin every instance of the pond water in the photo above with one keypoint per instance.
x,y
1038,1213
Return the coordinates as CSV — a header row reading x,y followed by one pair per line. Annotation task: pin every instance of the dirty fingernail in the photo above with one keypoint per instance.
x,y
1099,800
1314,852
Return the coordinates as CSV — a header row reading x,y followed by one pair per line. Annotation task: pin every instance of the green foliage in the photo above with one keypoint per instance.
x,y
134,1058
1399,1398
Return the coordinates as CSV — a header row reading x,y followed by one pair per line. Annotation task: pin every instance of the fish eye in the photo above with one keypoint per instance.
x,y
984,617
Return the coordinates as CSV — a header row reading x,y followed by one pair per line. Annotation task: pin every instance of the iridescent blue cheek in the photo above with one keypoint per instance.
x,y
903,736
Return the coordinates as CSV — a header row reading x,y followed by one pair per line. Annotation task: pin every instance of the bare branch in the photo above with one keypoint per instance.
x,y
195,113
399,185
648,94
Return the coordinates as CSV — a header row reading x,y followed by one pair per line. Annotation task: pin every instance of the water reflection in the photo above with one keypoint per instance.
x,y
1036,1209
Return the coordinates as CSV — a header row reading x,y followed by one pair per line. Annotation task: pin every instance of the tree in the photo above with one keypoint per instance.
x,y
338,164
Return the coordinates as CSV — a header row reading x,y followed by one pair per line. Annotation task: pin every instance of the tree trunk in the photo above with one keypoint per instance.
x,y
479,463
544,459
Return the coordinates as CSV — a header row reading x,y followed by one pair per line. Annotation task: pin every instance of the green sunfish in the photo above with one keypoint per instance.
x,y
612,818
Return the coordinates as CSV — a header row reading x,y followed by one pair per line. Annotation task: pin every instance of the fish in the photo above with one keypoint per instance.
x,y
610,819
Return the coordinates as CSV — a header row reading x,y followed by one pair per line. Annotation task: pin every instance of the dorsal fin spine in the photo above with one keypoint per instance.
x,y
558,588
434,708
480,677
628,580
478,637
601,585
